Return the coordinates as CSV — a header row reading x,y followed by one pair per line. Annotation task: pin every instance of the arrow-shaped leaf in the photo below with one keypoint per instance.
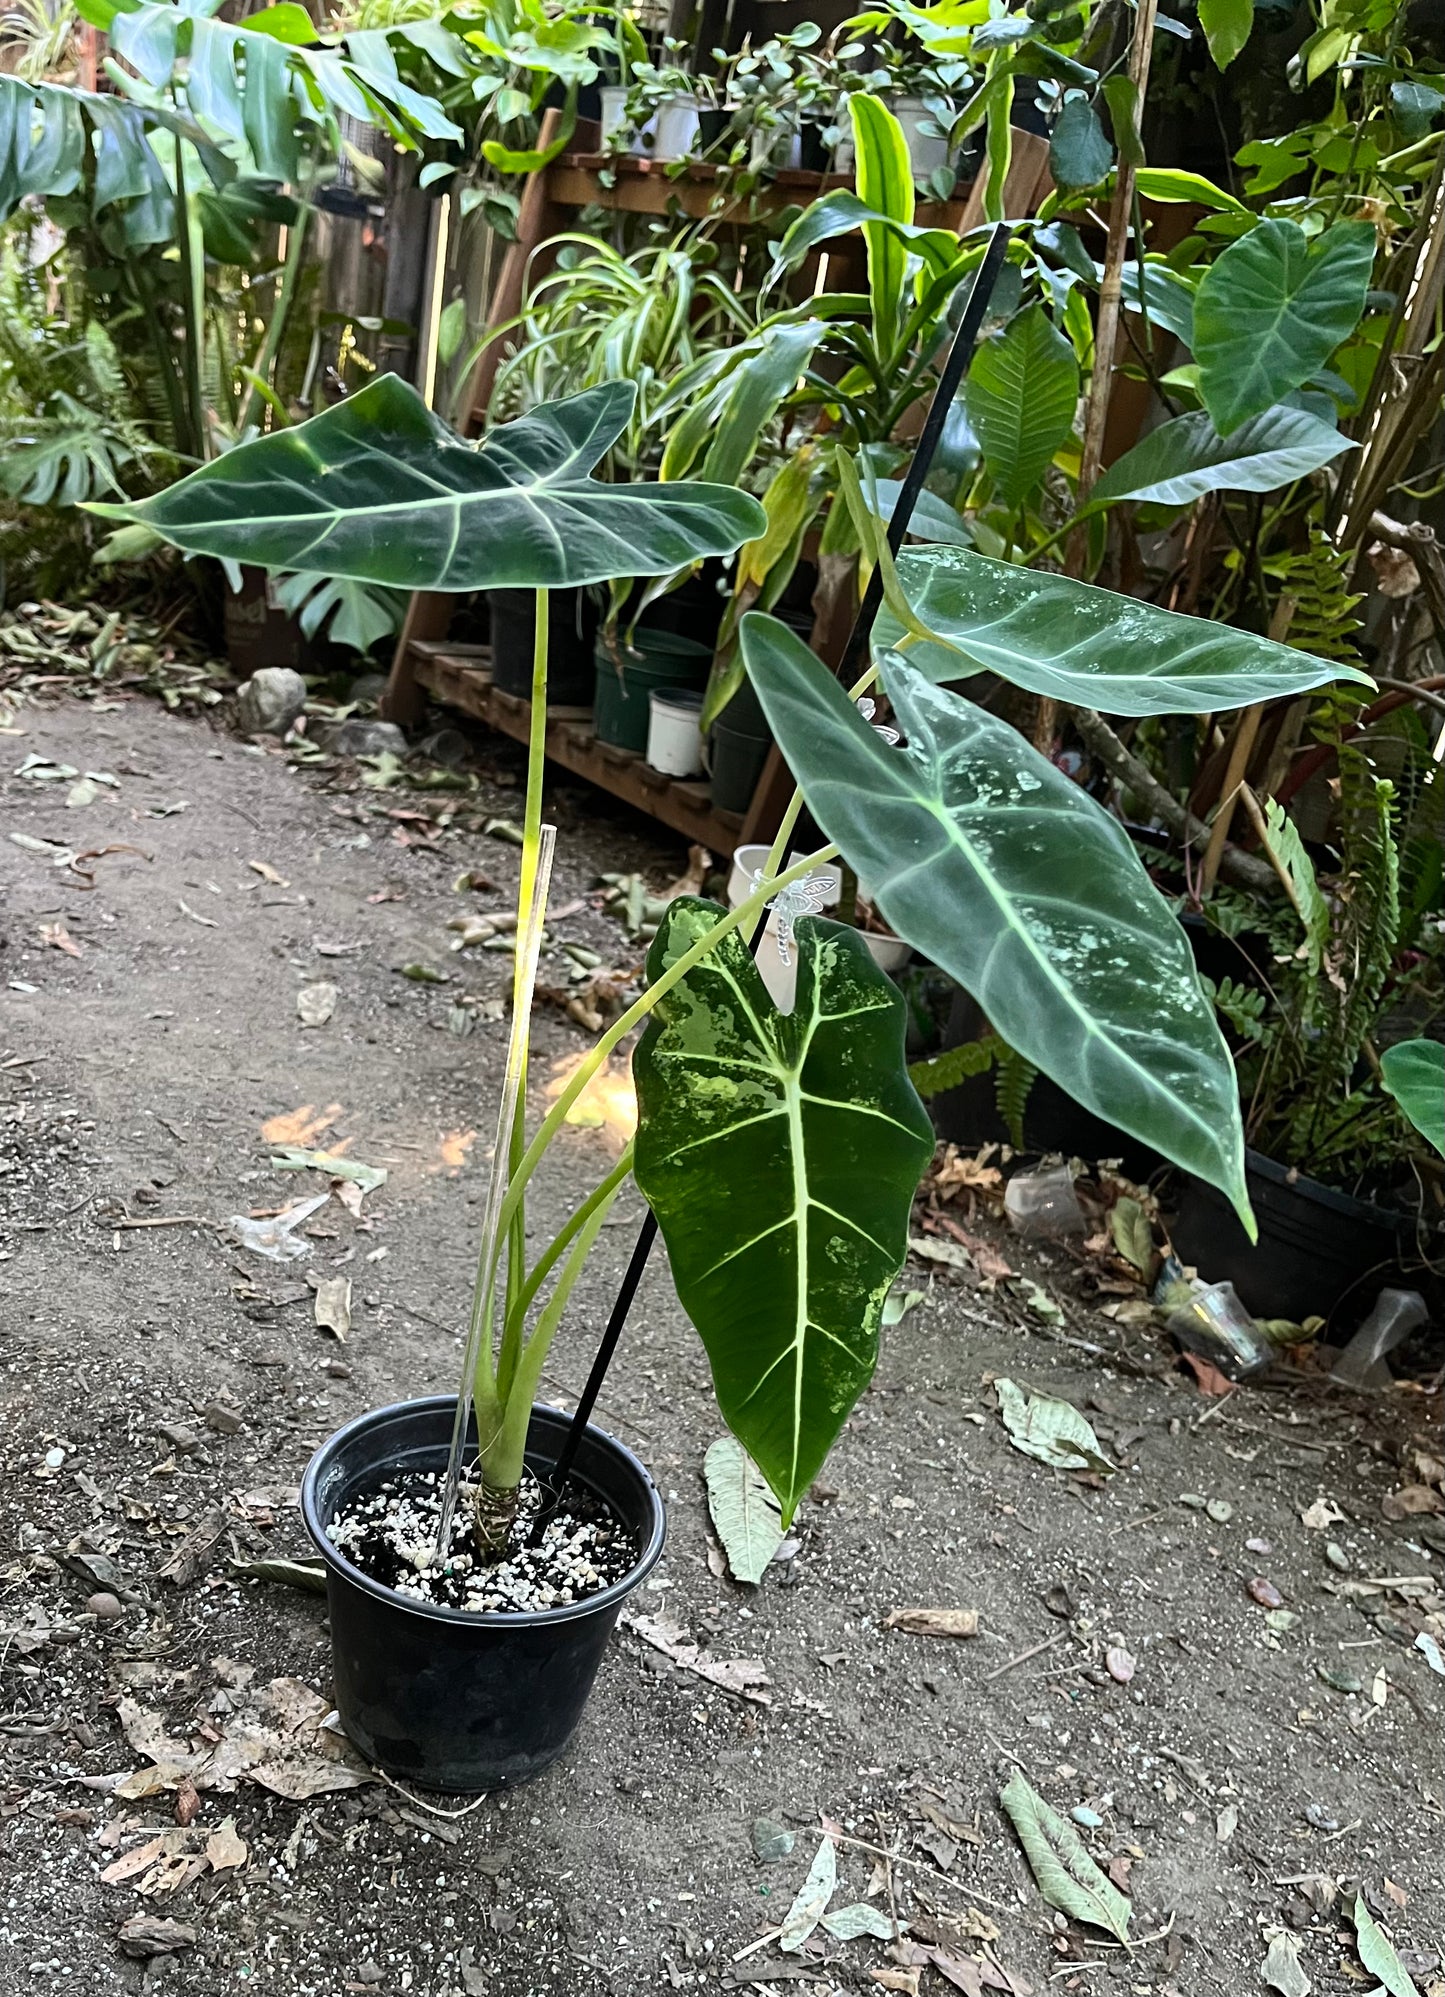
x,y
1090,647
1272,309
780,1153
377,489
1067,1876
1414,1073
1009,877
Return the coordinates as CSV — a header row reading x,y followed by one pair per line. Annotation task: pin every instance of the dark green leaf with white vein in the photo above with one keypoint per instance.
x,y
378,490
1009,877
780,1153
1090,647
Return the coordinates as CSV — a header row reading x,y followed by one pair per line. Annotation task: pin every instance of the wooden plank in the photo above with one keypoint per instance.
x,y
427,617
682,805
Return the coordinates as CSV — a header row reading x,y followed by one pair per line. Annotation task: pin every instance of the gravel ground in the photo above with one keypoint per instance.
x,y
1238,1768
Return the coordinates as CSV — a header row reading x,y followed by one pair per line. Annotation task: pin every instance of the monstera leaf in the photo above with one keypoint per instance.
x,y
1009,877
780,1153
378,490
1083,645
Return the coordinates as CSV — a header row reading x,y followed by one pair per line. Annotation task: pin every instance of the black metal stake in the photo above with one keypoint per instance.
x,y
954,369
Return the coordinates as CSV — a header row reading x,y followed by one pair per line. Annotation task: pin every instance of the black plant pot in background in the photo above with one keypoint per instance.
x,y
1320,1252
572,619
456,1702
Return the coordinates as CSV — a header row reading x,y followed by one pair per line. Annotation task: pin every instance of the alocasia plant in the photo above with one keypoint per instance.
x,y
780,1153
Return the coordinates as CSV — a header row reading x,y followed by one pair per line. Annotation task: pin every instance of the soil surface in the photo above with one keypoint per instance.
x,y
1214,1671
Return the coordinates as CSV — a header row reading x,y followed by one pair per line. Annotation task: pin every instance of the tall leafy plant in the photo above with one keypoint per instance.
x,y
779,1152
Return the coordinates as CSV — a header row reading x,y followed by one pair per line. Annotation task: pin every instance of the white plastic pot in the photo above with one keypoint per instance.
x,y
677,129
614,113
674,738
927,151
889,953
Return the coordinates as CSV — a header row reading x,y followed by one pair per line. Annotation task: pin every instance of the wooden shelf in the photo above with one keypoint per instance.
x,y
461,676
645,187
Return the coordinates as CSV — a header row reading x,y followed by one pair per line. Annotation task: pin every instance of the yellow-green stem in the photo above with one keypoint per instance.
x,y
637,1012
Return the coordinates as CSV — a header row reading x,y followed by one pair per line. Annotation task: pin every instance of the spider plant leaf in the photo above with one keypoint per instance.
x,y
1089,647
378,490
780,1153
1414,1074
993,864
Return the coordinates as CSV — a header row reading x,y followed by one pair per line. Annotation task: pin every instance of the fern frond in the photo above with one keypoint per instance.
x,y
954,1065
1013,1085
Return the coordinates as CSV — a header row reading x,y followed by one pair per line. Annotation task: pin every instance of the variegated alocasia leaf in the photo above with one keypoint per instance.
x,y
378,490
992,863
1090,647
780,1153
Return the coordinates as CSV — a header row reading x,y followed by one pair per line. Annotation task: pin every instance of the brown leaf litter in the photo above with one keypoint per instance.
x,y
274,1737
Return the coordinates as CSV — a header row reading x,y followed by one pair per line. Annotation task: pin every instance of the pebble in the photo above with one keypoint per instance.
x,y
55,1459
337,1369
221,1419
105,1607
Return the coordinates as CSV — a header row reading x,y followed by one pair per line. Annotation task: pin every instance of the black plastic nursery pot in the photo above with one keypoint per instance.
x,y
1320,1252
451,1701
572,618
738,749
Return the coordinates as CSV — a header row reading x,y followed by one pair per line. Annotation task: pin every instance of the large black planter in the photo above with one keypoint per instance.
x,y
457,1702
571,630
1320,1253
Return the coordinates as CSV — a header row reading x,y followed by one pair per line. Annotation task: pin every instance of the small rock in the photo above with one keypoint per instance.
x,y
371,1972
183,1440
366,738
223,1420
338,1369
55,1459
1119,1664
1264,1592
1337,1557
1089,1819
104,1607
270,701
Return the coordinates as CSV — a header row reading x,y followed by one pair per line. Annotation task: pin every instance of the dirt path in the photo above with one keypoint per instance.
x,y
158,1383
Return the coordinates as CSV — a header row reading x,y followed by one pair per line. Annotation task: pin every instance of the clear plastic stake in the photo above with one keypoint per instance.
x,y
529,951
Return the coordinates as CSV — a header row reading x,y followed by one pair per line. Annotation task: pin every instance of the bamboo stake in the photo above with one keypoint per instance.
x,y
1241,747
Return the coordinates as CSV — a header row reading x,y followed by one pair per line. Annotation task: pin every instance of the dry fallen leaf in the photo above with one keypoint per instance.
x,y
226,1848
1208,1378
1322,1514
274,1738
300,1126
188,1804
58,937
333,1306
1412,1501
744,1676
143,1936
933,1622
315,1004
